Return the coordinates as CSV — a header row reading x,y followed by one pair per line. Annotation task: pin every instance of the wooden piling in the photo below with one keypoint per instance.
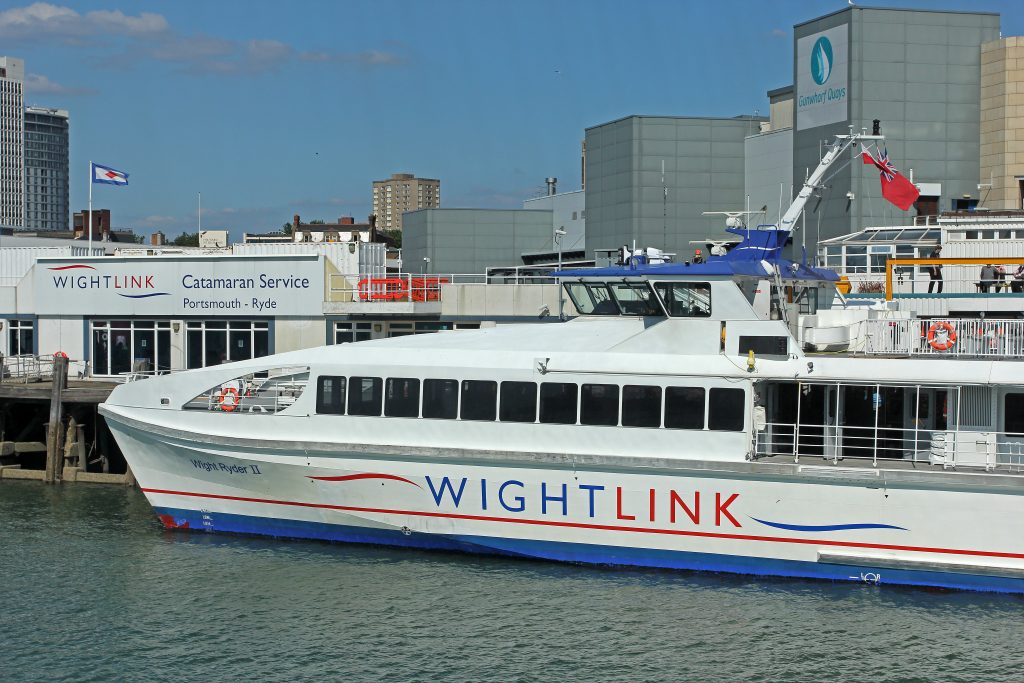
x,y
54,431
80,447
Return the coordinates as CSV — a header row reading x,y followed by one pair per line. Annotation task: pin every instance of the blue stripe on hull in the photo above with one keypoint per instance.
x,y
586,553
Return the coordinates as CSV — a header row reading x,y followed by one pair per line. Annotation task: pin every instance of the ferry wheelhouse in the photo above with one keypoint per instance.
x,y
682,420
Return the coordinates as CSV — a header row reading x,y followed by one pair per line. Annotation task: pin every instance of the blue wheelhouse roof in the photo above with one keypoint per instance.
x,y
759,255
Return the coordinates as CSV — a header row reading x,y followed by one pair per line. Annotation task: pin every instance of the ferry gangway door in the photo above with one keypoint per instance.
x,y
800,419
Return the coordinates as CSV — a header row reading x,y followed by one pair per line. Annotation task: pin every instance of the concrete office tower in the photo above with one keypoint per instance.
x,y
46,169
12,153
919,72
1002,124
628,198
403,192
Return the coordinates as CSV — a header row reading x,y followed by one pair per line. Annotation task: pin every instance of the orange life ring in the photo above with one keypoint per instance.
x,y
60,354
222,399
936,331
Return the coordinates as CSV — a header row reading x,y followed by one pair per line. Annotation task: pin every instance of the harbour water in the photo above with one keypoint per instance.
x,y
95,590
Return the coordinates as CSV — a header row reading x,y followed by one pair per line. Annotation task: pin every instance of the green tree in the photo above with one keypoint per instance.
x,y
286,228
394,237
186,239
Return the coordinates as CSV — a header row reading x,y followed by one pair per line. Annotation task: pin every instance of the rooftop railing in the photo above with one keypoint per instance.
x,y
410,287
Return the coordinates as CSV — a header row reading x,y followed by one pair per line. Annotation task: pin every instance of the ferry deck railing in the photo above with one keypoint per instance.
x,y
808,443
944,337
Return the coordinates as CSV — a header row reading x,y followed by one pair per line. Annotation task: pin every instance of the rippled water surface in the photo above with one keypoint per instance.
x,y
93,589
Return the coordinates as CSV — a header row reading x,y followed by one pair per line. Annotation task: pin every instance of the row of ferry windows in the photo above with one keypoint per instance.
x,y
551,403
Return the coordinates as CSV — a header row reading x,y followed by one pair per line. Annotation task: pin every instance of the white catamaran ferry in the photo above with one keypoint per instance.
x,y
681,420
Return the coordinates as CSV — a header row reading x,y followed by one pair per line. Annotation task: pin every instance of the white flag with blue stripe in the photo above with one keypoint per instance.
x,y
108,176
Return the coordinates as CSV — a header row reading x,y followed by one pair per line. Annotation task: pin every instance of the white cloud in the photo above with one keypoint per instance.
x,y
37,84
131,38
42,20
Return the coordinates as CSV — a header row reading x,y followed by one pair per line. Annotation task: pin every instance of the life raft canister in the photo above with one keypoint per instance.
x,y
228,399
941,336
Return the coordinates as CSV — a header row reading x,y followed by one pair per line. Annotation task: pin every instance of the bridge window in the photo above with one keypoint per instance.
x,y
330,395
641,406
364,396
558,403
726,408
518,402
599,404
479,400
685,299
402,397
684,407
441,399
635,299
592,299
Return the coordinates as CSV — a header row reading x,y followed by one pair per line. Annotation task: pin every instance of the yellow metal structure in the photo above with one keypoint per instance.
x,y
972,261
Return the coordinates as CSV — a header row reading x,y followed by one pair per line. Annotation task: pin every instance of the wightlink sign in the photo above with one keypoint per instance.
x,y
822,65
180,286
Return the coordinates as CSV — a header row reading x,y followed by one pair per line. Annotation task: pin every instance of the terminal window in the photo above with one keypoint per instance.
x,y
212,342
123,346
21,335
346,332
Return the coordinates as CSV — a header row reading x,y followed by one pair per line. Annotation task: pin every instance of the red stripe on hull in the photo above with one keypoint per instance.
x,y
599,527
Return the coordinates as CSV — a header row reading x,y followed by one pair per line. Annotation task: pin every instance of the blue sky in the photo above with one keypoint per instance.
x,y
271,109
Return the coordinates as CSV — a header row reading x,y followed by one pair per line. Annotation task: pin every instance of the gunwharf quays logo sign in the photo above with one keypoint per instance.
x,y
148,286
821,61
821,78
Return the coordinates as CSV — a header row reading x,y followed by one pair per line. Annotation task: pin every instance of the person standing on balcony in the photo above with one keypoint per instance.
x,y
935,270
1017,285
989,276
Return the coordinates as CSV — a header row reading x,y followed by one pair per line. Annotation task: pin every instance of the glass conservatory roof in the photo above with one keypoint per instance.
x,y
911,234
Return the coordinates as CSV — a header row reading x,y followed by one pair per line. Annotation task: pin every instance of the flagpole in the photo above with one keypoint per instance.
x,y
90,208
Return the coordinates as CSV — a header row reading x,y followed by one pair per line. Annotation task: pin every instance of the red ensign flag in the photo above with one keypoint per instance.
x,y
895,187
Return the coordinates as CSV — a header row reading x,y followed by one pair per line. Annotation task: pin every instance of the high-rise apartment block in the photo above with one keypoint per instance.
x,y
12,136
46,169
403,192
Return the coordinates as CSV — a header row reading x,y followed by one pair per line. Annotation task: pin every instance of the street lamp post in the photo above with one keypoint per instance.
x,y
559,234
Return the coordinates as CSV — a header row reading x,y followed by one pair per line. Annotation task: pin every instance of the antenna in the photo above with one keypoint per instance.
x,y
664,208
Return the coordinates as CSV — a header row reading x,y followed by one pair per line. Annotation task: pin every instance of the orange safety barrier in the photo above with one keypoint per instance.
x,y
401,289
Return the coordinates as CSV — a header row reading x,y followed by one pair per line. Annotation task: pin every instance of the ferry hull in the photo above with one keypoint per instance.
x,y
696,519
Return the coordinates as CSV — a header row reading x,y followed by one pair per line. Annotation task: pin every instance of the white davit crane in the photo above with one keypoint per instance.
x,y
842,143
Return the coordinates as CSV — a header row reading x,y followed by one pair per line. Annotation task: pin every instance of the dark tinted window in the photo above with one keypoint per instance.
x,y
592,299
441,398
330,395
402,397
725,409
641,406
1013,411
558,403
685,299
518,402
479,399
684,407
599,404
364,395
635,299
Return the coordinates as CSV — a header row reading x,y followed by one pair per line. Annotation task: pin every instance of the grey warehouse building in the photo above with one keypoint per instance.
x,y
629,198
919,72
446,241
